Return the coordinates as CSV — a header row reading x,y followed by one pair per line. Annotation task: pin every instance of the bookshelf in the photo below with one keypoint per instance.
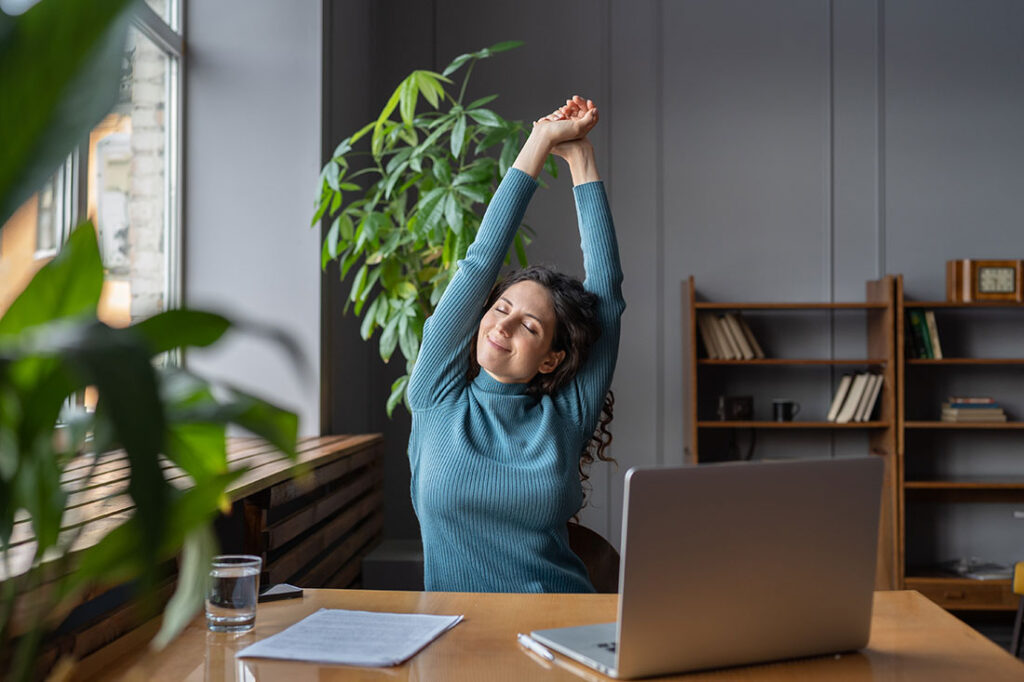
x,y
948,469
711,439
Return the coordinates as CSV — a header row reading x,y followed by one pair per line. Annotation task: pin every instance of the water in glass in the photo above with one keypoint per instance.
x,y
231,599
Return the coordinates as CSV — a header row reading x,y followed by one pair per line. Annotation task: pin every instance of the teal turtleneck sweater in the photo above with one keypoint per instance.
x,y
495,471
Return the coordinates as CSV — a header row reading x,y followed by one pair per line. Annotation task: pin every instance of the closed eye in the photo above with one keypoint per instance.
x,y
529,329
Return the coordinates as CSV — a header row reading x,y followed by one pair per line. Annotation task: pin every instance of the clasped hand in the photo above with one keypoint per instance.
x,y
566,128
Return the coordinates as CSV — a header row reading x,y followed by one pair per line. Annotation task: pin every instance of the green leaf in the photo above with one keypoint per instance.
x,y
389,337
456,64
198,448
179,328
379,130
482,101
397,393
359,133
68,286
199,549
346,229
408,341
504,46
59,74
442,171
358,283
332,237
349,187
474,174
348,262
325,201
396,175
453,213
344,147
508,154
458,136
474,192
366,329
406,290
333,174
410,92
487,117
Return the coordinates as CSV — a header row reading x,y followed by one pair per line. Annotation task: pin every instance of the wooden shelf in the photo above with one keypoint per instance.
x,y
951,304
966,361
965,485
965,594
963,425
716,424
706,305
792,361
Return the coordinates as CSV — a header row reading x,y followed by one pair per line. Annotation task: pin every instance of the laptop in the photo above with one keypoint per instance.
x,y
737,563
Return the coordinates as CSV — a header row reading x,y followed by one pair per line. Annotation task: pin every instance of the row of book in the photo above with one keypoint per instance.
x,y
855,398
923,335
972,409
728,337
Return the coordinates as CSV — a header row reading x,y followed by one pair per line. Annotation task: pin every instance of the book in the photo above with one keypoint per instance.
x,y
758,351
933,334
869,387
738,337
915,344
725,339
970,399
708,336
837,400
852,401
917,319
876,390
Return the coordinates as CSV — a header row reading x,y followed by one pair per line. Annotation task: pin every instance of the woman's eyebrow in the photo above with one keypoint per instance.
x,y
525,313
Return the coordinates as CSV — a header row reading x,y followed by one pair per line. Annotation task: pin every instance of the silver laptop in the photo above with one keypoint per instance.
x,y
737,563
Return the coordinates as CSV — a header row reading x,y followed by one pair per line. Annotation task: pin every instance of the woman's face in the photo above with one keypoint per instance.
x,y
513,342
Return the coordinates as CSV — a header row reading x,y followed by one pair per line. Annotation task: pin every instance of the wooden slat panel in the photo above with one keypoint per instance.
x,y
349,552
291,527
293,489
354,568
252,481
98,518
287,565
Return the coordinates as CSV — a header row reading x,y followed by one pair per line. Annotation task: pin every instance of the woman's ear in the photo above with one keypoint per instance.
x,y
551,362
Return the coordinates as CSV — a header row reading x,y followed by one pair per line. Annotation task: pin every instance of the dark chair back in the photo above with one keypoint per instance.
x,y
598,555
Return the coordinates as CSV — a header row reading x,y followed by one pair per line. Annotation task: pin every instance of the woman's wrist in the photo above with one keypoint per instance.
x,y
582,163
534,153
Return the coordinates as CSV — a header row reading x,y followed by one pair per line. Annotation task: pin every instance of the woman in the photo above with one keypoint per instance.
x,y
495,455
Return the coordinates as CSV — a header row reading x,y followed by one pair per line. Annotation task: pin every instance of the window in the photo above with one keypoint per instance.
x,y
125,178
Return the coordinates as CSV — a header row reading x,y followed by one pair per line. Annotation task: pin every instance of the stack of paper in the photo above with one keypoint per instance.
x,y
362,638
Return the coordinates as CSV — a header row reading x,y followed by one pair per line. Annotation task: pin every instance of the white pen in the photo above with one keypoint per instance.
x,y
531,644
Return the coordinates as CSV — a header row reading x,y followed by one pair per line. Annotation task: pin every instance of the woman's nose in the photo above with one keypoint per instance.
x,y
503,325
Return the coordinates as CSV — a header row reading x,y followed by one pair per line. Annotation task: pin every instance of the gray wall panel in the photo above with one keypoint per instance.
x,y
778,151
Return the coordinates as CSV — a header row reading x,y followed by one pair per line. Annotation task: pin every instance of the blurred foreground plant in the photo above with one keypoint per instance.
x,y
59,71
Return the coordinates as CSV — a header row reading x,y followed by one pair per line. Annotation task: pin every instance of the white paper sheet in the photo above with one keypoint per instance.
x,y
363,638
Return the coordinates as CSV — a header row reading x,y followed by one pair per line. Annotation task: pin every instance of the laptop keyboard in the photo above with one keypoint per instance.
x,y
607,646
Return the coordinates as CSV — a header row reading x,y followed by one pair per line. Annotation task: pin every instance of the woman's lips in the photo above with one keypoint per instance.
x,y
498,346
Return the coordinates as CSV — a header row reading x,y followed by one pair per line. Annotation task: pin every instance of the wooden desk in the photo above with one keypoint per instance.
x,y
911,639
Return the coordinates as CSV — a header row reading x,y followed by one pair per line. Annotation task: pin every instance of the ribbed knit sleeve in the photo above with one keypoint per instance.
x,y
443,358
585,396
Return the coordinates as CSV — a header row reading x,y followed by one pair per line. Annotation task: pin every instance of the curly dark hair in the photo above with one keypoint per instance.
x,y
576,330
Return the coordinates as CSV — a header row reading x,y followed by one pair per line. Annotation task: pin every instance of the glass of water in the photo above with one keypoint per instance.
x,y
231,597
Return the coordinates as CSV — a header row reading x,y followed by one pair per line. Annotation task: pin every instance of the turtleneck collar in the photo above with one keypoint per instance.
x,y
485,382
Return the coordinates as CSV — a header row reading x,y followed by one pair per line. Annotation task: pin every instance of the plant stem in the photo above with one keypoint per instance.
x,y
465,80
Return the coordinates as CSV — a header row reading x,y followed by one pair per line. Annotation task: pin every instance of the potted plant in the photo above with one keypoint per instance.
x,y
404,226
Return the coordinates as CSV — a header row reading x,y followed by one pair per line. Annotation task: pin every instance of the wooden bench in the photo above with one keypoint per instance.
x,y
311,521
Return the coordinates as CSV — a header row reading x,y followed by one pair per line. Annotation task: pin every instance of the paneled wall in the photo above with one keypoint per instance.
x,y
785,150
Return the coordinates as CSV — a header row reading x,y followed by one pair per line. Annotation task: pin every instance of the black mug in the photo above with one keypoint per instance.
x,y
784,410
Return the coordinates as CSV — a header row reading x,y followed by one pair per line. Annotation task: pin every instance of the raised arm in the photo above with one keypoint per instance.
x,y
603,271
444,355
